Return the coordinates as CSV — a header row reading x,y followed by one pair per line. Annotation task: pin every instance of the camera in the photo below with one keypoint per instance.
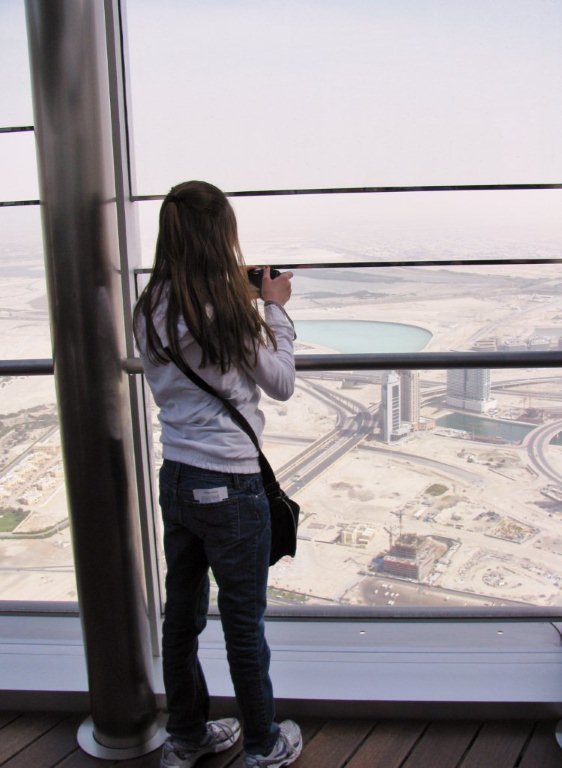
x,y
255,276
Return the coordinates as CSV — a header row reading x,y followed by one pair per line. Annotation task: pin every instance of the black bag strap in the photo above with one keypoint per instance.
x,y
269,479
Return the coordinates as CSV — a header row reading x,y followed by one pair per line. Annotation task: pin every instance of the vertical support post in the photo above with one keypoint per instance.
x,y
130,255
73,130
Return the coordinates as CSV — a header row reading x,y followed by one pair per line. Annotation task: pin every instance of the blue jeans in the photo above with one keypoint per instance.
x,y
219,521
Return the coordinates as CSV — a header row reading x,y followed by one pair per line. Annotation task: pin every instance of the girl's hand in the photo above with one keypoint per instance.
x,y
278,289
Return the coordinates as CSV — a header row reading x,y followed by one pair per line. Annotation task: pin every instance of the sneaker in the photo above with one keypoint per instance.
x,y
285,751
221,735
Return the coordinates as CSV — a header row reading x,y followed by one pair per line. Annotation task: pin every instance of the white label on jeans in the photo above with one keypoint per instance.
x,y
210,495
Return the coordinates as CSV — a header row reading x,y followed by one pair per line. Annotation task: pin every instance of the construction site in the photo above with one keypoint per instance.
x,y
411,556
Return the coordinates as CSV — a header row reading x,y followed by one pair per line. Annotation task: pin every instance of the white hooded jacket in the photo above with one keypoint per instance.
x,y
196,428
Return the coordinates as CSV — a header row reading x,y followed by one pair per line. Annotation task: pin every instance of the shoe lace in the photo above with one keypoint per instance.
x,y
218,731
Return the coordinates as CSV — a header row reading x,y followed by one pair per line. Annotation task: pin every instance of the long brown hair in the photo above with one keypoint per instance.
x,y
199,270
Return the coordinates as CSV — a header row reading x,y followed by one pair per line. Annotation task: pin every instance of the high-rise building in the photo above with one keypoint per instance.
x,y
390,406
410,396
470,389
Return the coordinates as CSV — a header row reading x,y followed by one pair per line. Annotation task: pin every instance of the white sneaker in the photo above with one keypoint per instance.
x,y
285,751
221,735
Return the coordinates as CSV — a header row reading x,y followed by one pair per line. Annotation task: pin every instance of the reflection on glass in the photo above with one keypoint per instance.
x,y
35,548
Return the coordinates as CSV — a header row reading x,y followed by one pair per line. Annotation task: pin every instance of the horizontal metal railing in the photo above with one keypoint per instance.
x,y
43,367
15,203
353,362
410,361
369,190
393,263
373,190
17,129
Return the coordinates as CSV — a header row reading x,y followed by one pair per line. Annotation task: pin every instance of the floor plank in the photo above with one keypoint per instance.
x,y
499,744
388,745
7,717
543,750
79,759
24,730
444,744
50,748
48,740
335,743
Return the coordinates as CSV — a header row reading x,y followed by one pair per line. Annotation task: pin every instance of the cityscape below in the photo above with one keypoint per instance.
x,y
417,488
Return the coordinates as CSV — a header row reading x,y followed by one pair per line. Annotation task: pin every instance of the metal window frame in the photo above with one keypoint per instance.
x,y
124,165
304,645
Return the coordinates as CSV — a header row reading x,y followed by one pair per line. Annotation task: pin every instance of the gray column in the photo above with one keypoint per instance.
x,y
73,131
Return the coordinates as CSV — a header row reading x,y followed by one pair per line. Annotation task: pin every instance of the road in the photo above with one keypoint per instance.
x,y
536,443
354,422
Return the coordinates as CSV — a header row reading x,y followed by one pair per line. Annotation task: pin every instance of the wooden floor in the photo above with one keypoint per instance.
x,y
46,740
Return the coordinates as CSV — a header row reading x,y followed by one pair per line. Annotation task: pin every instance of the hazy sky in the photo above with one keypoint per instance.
x,y
307,93
319,93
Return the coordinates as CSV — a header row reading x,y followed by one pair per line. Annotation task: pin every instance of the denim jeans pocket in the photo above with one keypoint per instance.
x,y
217,521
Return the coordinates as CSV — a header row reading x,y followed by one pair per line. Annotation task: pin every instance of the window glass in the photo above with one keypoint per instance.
x,y
19,166
450,497
261,95
24,317
436,488
35,549
297,229
439,500
15,87
420,488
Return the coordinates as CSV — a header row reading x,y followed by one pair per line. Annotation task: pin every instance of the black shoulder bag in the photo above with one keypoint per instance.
x,y
283,510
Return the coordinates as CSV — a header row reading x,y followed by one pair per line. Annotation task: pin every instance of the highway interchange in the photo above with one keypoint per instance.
x,y
355,424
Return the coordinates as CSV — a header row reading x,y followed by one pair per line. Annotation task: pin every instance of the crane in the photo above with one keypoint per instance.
x,y
390,535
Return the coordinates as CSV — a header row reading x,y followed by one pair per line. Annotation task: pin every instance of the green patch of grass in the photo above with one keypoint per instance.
x,y
436,489
11,518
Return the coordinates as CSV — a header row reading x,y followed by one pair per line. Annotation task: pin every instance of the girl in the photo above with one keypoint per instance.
x,y
200,304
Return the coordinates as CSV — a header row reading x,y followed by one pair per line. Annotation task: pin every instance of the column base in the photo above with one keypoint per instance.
x,y
124,749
